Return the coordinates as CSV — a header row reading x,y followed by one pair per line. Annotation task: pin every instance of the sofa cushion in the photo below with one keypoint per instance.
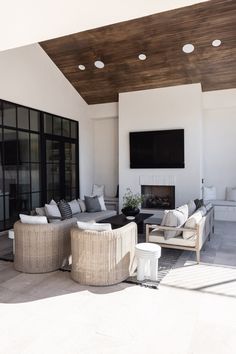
x,y
158,237
65,210
75,207
98,216
227,203
198,203
209,193
93,226
40,211
203,210
52,211
102,203
191,223
231,194
191,207
175,218
82,205
92,204
98,190
29,219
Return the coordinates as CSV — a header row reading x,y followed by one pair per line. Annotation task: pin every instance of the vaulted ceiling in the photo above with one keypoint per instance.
x,y
161,37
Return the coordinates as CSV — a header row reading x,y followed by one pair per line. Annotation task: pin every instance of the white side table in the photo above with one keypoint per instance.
x,y
11,235
147,255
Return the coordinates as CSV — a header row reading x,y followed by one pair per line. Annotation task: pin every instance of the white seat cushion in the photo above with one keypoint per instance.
x,y
93,226
158,237
209,193
29,219
191,223
231,194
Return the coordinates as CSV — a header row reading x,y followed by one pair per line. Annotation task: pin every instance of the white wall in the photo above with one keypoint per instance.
x,y
105,155
219,110
165,108
29,77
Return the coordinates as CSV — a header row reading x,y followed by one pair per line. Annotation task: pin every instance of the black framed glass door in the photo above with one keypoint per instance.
x,y
61,169
39,160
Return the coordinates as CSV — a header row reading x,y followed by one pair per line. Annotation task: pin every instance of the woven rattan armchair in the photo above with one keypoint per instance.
x,y
42,248
103,258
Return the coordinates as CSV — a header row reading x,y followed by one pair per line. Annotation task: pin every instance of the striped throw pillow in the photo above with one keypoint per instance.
x,y
65,210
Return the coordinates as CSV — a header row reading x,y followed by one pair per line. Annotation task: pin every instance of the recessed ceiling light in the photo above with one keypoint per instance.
x,y
216,43
188,48
81,67
99,64
142,56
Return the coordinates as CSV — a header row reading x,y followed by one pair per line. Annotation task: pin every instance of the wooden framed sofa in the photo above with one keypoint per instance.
x,y
198,234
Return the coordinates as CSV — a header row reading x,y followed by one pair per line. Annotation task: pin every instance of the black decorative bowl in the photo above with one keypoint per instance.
x,y
130,211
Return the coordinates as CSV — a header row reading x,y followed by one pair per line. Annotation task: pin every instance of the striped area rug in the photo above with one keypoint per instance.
x,y
166,262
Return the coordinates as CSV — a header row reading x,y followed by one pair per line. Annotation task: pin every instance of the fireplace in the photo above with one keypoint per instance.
x,y
158,197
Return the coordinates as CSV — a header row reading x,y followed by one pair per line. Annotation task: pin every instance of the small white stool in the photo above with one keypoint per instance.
x,y
147,255
11,235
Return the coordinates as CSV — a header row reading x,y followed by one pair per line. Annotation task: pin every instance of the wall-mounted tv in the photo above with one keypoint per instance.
x,y
157,149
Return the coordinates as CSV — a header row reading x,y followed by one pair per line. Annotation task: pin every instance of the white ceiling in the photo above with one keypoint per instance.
x,y
29,21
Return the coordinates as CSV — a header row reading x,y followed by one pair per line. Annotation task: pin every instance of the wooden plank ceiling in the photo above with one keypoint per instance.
x,y
161,37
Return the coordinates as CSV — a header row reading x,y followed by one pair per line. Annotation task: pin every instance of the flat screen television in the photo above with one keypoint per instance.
x,y
157,149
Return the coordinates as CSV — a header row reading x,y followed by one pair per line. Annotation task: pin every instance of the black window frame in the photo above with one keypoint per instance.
x,y
7,223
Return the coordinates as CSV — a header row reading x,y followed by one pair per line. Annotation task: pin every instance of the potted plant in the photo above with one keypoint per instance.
x,y
131,203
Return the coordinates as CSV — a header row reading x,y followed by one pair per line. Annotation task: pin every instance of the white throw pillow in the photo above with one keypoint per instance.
x,y
175,218
191,207
82,205
202,210
192,223
98,189
52,211
52,202
95,226
164,217
209,193
101,202
29,219
40,211
75,207
231,194
208,206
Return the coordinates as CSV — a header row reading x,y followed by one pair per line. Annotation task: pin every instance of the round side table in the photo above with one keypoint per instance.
x,y
147,255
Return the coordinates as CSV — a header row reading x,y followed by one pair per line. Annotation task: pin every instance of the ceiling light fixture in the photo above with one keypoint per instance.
x,y
216,43
81,67
188,48
142,56
99,64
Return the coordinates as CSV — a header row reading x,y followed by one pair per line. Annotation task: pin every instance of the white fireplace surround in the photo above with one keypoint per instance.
x,y
177,107
157,180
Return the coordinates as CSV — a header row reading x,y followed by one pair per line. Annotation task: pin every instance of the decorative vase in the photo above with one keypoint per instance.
x,y
130,211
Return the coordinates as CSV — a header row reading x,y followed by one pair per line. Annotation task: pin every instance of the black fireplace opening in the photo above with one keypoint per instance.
x,y
158,197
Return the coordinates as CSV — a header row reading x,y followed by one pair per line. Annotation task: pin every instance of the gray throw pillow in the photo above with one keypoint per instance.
x,y
92,204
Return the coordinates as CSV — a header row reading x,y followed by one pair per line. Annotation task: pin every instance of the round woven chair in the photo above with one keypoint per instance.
x,y
104,257
42,248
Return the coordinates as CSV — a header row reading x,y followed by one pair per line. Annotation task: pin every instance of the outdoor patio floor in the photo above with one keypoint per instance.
x,y
192,312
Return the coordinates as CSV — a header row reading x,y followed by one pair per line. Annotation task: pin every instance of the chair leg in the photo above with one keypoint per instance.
x,y
198,256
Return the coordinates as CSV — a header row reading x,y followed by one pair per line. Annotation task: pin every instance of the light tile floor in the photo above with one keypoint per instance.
x,y
193,312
